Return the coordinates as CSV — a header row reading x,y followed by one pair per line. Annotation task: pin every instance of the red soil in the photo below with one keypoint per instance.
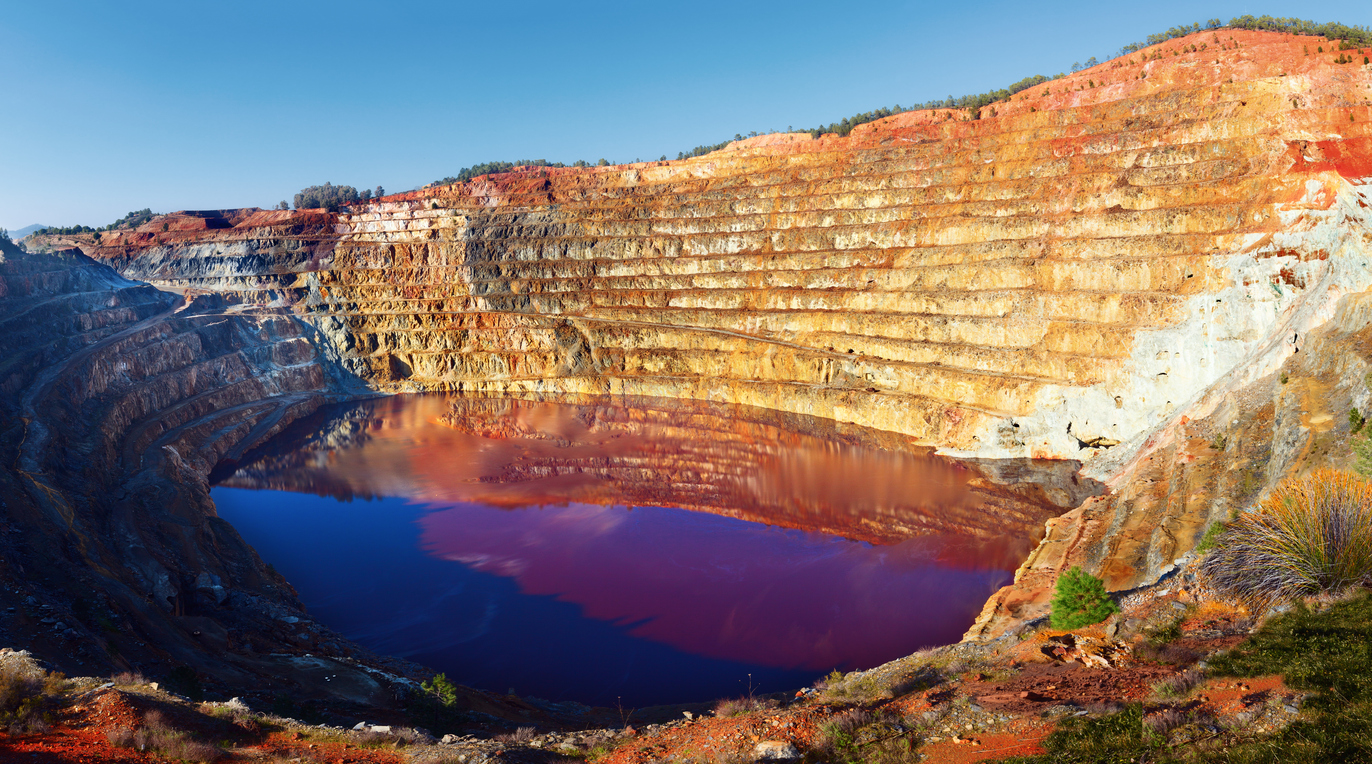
x,y
79,735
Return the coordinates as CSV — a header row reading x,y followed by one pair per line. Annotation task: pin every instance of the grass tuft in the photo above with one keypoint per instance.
x,y
743,705
520,735
1179,685
1312,535
158,736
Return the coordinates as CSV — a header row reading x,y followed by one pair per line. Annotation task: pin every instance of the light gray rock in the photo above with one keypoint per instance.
x,y
775,750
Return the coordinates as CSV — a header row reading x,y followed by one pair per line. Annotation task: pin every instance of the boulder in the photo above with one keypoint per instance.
x,y
775,750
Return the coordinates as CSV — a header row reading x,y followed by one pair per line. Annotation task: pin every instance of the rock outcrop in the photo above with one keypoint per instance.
x,y
1105,267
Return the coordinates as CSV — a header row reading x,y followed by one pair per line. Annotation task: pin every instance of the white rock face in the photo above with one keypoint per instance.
x,y
1280,287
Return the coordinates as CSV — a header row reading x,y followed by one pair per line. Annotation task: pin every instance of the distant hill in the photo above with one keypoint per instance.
x,y
20,233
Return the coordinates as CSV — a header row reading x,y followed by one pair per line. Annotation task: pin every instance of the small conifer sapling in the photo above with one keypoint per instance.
x,y
1080,600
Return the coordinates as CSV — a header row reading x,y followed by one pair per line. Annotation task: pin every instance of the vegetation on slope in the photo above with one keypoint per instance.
x,y
1080,600
131,220
331,197
1312,535
497,167
1326,653
1351,37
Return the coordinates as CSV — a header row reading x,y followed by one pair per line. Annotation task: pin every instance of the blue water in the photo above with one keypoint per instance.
x,y
359,568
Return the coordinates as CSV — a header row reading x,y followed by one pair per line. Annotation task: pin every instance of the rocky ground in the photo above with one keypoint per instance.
x,y
966,702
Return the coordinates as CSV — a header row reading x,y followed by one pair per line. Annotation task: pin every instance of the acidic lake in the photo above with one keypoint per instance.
x,y
624,551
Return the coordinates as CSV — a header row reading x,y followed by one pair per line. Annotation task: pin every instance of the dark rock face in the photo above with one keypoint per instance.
x,y
119,399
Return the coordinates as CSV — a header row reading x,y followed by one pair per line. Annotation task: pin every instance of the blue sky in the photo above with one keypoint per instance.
x,y
113,107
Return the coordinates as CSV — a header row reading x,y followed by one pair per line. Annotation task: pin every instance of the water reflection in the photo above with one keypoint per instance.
x,y
727,534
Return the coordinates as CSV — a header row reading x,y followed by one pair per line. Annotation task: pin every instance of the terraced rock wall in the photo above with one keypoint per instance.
x,y
1074,267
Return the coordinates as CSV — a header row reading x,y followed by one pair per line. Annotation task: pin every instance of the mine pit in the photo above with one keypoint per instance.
x,y
644,552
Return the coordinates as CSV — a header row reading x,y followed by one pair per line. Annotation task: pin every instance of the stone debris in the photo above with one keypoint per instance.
x,y
1092,652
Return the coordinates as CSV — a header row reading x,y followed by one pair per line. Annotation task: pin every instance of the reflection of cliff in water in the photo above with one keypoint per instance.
x,y
737,461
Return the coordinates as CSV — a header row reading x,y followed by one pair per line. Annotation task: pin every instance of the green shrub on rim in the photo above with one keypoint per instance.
x,y
1080,600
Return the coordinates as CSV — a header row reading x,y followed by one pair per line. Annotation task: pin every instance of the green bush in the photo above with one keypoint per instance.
x,y
330,197
1080,600
437,707
443,690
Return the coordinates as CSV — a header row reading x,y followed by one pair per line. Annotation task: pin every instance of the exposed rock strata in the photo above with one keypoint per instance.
x,y
1115,259
1073,268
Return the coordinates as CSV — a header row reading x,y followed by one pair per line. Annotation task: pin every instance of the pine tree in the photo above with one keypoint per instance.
x,y
1080,600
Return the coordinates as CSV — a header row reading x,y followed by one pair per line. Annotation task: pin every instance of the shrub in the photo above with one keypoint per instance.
x,y
443,690
1312,535
856,687
1355,420
494,168
27,696
1080,600
520,735
330,197
1164,721
159,737
436,707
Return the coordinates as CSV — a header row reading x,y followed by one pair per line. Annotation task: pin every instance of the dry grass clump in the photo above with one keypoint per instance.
x,y
856,687
520,735
743,705
858,735
237,714
27,697
129,678
399,737
1312,535
1180,684
1164,721
157,736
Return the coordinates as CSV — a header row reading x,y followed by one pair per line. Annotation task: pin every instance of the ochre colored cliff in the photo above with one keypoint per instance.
x,y
1101,268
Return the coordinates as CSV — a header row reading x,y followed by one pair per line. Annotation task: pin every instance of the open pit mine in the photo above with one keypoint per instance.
x,y
1137,293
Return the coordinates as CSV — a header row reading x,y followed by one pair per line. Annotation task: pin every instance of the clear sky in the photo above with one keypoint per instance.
x,y
111,107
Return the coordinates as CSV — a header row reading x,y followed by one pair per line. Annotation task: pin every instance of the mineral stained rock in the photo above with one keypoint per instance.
x,y
1112,267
